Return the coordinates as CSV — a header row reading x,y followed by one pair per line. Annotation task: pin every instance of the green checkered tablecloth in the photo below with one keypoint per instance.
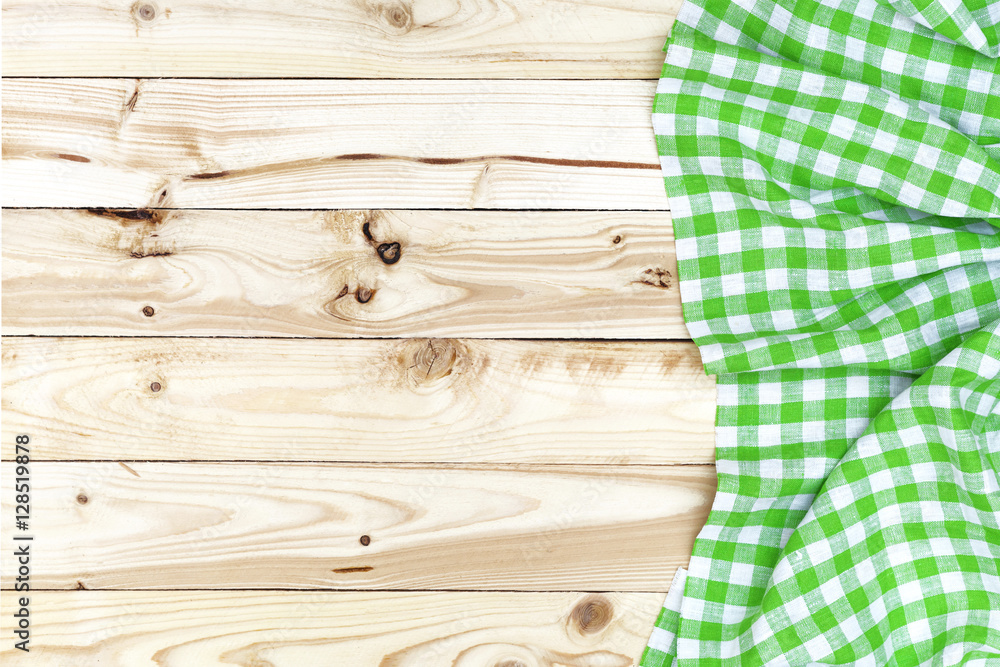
x,y
833,169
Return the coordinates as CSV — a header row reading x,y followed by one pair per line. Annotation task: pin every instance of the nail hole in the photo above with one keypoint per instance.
x,y
365,540
148,311
82,499
155,386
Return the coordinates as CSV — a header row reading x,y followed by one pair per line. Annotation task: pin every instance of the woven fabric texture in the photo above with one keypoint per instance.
x,y
833,170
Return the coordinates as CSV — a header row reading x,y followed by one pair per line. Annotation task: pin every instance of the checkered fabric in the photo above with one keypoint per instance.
x,y
833,169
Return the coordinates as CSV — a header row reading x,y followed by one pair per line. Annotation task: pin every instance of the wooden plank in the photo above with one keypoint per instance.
x,y
358,400
330,144
419,526
616,39
341,273
291,629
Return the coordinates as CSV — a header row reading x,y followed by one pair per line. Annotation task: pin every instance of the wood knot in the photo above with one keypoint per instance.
x,y
364,294
616,240
365,540
144,12
431,360
148,311
657,277
592,614
398,16
82,499
389,253
510,663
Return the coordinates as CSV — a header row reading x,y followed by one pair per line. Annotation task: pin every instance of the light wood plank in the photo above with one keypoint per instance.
x,y
617,39
341,273
364,629
330,144
242,525
358,400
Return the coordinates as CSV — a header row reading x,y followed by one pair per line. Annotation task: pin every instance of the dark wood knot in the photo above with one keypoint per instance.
x,y
657,277
389,253
592,614
364,294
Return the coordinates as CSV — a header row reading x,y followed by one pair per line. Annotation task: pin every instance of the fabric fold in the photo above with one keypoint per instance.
x,y
833,171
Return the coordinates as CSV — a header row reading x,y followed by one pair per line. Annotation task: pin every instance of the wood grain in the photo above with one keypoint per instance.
x,y
166,143
366,629
586,39
358,400
252,525
341,273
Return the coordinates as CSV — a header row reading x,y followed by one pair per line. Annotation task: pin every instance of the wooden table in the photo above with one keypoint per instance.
x,y
344,332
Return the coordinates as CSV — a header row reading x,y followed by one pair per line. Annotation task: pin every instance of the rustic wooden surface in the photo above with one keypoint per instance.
x,y
415,400
183,143
345,333
559,39
429,526
528,274
293,628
